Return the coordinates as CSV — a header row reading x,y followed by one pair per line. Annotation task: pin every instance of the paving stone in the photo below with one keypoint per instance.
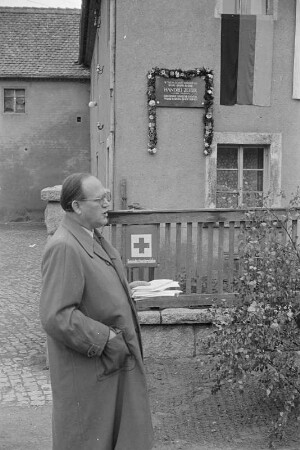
x,y
21,335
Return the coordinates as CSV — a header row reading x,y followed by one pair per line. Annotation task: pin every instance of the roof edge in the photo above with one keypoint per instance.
x,y
90,10
29,10
46,78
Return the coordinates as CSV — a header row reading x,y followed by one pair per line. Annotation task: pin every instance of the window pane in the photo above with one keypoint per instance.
x,y
253,199
20,105
227,200
254,158
227,158
20,93
8,105
227,180
9,93
252,180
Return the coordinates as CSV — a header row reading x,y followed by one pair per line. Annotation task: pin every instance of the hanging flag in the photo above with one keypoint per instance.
x,y
246,59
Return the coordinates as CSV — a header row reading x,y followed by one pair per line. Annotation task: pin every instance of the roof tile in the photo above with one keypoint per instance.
x,y
40,43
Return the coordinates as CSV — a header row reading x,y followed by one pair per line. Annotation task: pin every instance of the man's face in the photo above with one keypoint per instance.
x,y
94,207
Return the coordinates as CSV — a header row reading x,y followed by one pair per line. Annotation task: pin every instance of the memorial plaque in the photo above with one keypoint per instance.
x,y
178,92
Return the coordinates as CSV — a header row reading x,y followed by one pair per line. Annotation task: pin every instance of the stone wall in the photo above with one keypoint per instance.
x,y
172,332
175,332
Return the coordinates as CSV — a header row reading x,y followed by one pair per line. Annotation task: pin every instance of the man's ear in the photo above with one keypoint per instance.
x,y
76,207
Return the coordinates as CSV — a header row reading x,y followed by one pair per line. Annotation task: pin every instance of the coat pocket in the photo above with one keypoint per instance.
x,y
115,357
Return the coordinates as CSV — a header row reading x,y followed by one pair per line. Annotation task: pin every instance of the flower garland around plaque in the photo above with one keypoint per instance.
x,y
208,120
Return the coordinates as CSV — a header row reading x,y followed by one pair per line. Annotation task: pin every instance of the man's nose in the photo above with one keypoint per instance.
x,y
106,202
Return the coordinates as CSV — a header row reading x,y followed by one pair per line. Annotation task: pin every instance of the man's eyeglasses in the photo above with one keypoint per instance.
x,y
105,197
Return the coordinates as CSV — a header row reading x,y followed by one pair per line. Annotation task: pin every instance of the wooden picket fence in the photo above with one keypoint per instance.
x,y
199,248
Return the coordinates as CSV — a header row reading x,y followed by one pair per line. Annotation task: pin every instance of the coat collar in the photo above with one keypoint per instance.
x,y
84,239
104,250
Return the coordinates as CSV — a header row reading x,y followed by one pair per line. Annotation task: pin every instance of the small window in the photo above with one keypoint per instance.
x,y
14,100
240,176
256,7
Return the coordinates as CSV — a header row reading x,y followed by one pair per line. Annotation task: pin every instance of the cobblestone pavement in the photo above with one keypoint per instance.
x,y
185,414
22,341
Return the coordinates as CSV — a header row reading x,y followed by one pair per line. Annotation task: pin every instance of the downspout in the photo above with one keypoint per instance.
x,y
296,78
111,138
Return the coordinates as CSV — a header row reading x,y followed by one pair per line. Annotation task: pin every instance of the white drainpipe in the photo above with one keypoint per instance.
x,y
111,137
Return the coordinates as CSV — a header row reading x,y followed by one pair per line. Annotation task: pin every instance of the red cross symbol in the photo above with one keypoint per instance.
x,y
141,245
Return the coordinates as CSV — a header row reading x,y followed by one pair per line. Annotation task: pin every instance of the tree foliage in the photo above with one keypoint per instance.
x,y
259,336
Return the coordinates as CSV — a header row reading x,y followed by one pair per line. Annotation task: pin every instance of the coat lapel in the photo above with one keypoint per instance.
x,y
84,239
99,249
119,268
110,251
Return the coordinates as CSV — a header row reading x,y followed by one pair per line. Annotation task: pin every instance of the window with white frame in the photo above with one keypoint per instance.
x,y
241,175
271,143
256,7
14,100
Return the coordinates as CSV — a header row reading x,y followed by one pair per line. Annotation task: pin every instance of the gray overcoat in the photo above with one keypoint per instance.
x,y
100,399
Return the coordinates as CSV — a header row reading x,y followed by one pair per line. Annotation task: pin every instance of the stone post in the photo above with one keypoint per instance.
x,y
53,215
53,212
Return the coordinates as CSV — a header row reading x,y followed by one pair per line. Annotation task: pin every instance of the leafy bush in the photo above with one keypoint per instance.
x,y
259,337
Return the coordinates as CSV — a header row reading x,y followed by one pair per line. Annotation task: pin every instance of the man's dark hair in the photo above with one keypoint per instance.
x,y
72,190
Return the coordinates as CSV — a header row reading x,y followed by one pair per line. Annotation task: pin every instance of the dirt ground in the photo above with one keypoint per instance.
x,y
186,415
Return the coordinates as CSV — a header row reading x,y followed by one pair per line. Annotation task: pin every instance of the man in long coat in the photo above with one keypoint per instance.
x,y
100,399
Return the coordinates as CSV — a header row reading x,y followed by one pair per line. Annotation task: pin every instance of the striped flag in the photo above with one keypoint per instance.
x,y
246,59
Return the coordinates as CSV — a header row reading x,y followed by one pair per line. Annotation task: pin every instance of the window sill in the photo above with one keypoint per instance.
x,y
219,9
